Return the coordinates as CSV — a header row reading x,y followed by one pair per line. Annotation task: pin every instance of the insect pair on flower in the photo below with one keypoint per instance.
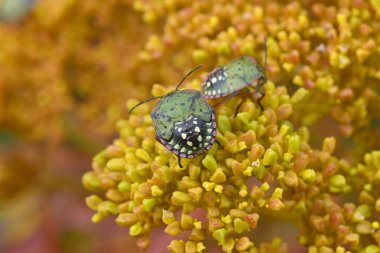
x,y
185,123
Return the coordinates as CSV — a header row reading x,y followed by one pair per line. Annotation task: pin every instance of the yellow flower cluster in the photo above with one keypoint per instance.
x,y
265,167
331,48
325,54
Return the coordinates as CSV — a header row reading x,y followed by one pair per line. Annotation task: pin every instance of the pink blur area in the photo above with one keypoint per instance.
x,y
50,215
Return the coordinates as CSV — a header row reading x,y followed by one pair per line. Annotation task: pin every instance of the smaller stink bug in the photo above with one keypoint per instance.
x,y
228,80
184,122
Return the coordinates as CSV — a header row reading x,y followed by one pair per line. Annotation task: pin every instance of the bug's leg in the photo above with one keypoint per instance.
x,y
262,94
179,162
247,92
225,99
259,101
217,142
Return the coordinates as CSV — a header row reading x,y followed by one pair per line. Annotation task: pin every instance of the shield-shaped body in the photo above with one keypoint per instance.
x,y
232,77
185,123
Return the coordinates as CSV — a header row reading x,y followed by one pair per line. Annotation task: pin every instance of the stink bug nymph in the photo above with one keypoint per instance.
x,y
228,80
184,122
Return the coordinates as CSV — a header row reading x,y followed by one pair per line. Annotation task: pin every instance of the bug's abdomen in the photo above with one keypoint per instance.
x,y
232,77
192,137
215,84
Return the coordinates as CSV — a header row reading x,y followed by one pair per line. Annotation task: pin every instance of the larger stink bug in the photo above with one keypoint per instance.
x,y
184,122
236,75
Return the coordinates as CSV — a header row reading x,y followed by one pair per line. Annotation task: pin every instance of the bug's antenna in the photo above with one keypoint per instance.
x,y
187,75
146,100
265,52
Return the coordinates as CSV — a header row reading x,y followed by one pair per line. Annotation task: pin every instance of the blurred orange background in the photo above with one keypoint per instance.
x,y
65,73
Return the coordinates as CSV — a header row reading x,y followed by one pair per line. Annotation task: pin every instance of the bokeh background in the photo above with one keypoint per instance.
x,y
66,70
68,67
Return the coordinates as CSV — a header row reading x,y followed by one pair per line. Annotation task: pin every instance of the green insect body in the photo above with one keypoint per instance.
x,y
232,77
185,123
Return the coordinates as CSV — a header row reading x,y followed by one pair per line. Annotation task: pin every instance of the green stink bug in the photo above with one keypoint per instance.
x,y
184,122
236,75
